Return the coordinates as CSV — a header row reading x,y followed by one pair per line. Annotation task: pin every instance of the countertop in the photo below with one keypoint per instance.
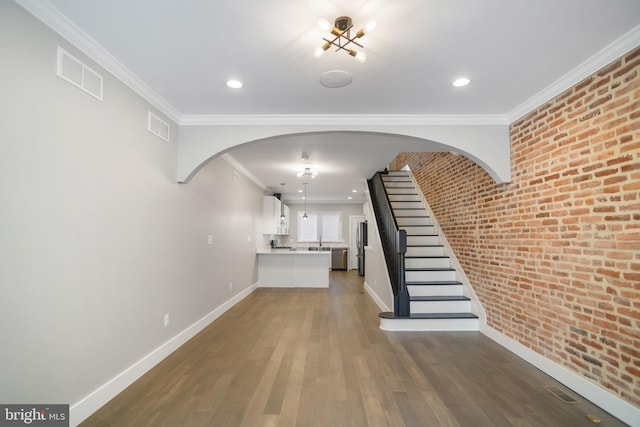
x,y
289,252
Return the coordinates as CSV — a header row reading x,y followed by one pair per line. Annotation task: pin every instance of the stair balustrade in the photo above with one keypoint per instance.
x,y
394,244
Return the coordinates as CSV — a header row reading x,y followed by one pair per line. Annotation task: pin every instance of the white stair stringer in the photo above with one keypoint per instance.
x,y
441,297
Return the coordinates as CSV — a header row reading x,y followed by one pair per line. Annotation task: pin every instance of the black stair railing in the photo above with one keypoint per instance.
x,y
394,244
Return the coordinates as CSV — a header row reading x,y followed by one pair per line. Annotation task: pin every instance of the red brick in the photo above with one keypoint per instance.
x,y
560,244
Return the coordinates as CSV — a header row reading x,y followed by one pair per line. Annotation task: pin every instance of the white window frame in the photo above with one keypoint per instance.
x,y
319,224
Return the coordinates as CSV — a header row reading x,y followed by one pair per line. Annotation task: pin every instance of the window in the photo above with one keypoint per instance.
x,y
325,226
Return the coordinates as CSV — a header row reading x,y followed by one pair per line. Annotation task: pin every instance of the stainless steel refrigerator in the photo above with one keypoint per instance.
x,y
361,242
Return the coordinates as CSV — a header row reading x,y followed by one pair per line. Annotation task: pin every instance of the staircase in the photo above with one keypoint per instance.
x,y
437,297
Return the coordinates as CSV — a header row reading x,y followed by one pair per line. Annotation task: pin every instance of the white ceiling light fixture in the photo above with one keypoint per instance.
x,y
342,40
234,84
461,82
307,171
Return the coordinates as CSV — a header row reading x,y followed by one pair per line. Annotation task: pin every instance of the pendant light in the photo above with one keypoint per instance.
x,y
282,217
305,201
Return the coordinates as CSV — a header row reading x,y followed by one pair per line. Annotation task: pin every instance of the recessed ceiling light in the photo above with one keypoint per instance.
x,y
349,197
234,84
354,191
462,81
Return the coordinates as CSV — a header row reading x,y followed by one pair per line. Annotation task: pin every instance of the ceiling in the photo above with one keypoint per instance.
x,y
511,50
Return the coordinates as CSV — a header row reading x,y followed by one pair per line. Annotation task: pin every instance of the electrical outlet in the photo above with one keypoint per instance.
x,y
248,238
230,285
210,239
166,320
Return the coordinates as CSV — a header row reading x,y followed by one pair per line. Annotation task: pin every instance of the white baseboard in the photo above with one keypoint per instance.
x,y
381,305
94,401
590,391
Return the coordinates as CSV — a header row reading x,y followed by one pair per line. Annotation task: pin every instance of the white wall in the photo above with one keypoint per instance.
x,y
376,276
486,144
97,240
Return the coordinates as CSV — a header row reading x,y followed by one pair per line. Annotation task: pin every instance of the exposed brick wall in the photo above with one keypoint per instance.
x,y
554,255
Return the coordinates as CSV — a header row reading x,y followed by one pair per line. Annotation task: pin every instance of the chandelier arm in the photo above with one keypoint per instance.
x,y
339,46
352,41
342,46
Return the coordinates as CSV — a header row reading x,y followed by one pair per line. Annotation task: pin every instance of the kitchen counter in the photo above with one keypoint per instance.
x,y
278,268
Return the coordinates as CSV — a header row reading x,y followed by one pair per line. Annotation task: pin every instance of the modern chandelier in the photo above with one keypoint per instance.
x,y
341,37
306,170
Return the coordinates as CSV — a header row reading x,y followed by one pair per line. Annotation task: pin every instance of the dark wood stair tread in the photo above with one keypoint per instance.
x,y
390,315
440,298
434,283
425,256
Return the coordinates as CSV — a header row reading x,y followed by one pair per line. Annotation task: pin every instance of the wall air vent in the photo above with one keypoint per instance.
x,y
78,74
158,127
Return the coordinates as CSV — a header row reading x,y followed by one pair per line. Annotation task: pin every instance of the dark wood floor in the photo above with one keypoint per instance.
x,y
316,357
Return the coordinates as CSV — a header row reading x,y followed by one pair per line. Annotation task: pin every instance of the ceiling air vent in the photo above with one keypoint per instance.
x,y
158,127
78,74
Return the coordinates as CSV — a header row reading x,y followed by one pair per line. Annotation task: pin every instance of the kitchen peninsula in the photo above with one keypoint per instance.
x,y
285,268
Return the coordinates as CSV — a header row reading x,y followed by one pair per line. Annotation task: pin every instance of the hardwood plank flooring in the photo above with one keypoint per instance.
x,y
316,357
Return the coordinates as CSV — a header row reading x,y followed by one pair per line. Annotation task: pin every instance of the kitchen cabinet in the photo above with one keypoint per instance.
x,y
271,216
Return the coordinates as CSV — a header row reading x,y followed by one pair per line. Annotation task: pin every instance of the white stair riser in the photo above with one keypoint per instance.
x,y
409,212
399,184
418,230
429,324
401,190
404,198
406,205
440,306
430,276
426,262
425,251
399,178
413,221
422,240
434,290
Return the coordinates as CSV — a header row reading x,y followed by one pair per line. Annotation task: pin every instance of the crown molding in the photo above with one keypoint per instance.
x,y
244,171
59,23
604,57
344,119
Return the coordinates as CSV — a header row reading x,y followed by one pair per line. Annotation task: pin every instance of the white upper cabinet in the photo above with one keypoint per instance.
x,y
271,216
